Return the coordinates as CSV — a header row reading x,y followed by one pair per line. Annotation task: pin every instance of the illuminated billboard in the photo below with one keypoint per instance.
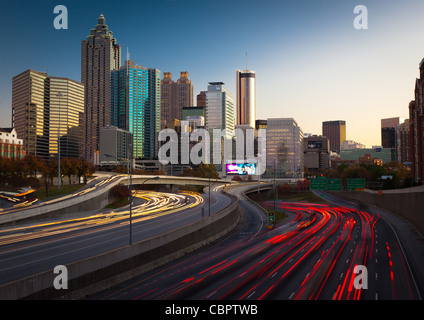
x,y
241,169
314,144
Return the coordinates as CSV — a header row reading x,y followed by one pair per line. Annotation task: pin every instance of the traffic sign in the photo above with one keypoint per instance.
x,y
355,183
318,183
334,185
271,218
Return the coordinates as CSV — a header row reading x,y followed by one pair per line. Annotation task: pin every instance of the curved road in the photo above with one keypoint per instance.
x,y
35,248
317,253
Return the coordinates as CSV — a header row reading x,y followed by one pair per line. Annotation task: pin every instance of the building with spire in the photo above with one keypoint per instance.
x,y
100,54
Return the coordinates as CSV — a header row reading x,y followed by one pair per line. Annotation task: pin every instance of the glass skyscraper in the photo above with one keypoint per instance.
x,y
100,54
42,118
135,97
284,148
219,109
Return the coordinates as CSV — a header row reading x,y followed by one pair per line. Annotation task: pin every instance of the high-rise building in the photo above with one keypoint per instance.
x,y
135,98
201,99
219,108
175,96
48,114
335,131
284,148
100,54
246,98
416,126
402,143
388,131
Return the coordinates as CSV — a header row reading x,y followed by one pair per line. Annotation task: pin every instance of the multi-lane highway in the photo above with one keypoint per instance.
x,y
34,248
327,252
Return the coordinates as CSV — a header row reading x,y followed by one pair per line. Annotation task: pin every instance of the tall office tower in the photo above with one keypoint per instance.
x,y
246,98
402,143
100,54
388,131
416,122
135,97
201,99
284,148
175,96
48,114
219,108
167,99
335,131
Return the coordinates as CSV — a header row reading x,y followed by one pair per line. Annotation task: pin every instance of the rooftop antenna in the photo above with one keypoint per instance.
x,y
128,54
246,61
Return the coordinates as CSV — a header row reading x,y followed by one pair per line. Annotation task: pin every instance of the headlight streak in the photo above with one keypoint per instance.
x,y
157,204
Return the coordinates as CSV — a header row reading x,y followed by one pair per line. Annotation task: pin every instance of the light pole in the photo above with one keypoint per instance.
x,y
59,95
129,181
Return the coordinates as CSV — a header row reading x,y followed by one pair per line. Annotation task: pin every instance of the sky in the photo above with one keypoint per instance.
x,y
311,63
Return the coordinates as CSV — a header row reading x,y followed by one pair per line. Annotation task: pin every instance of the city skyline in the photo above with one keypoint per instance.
x,y
311,63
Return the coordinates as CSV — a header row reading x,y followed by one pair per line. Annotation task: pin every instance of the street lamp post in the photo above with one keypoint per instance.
x,y
129,181
59,95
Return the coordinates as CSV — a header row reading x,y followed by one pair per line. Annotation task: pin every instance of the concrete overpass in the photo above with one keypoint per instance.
x,y
149,179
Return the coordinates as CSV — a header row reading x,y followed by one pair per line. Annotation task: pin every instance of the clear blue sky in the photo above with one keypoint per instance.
x,y
311,63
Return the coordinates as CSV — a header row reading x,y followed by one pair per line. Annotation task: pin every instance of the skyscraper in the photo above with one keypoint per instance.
x,y
246,98
219,108
100,54
284,148
48,110
388,131
135,95
175,96
416,129
335,131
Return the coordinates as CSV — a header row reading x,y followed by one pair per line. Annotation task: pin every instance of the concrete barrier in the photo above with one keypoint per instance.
x,y
93,200
408,205
108,269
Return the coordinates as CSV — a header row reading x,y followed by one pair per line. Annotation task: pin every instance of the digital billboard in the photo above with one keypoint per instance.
x,y
241,169
314,144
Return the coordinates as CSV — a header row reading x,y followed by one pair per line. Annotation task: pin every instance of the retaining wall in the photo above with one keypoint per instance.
x,y
409,205
108,269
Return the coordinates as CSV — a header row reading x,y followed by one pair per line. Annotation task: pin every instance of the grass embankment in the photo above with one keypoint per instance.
x,y
54,192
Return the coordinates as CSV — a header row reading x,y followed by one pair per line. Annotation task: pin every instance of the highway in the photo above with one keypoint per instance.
x,y
316,253
33,248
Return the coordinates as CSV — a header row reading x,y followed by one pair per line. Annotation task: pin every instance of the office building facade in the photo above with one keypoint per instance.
x,y
316,154
246,98
335,131
100,54
284,148
115,145
175,96
135,99
219,109
48,114
416,126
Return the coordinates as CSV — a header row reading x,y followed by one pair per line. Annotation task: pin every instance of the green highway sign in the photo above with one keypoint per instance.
x,y
318,184
334,184
354,184
271,218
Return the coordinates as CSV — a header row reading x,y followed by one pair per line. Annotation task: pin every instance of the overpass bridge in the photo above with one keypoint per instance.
x,y
96,196
175,180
